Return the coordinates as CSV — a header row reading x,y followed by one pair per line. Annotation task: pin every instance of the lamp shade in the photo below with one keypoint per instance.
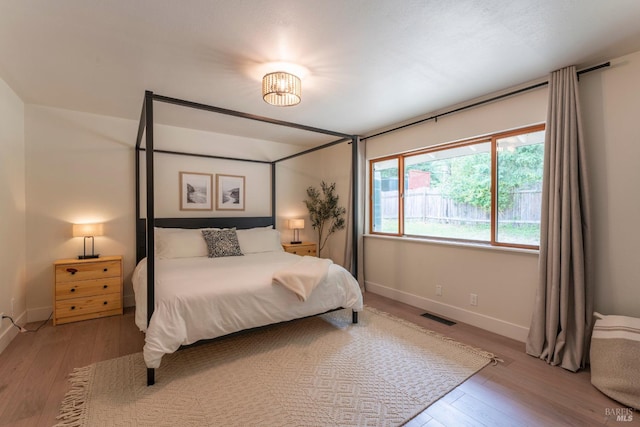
x,y
86,230
281,89
296,224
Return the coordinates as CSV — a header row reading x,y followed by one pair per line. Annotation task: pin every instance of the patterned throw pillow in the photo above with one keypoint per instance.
x,y
222,242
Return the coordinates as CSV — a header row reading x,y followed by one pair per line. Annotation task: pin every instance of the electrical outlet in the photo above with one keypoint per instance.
x,y
473,299
438,290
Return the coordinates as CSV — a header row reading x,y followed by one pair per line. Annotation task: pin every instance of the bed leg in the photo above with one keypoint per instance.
x,y
354,316
151,377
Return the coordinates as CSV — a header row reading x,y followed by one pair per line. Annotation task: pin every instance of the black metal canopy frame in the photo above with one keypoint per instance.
x,y
145,239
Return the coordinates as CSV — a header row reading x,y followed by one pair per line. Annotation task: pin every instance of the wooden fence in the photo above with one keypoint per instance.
x,y
430,205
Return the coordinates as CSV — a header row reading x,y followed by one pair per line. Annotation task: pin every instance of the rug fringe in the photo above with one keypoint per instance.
x,y
73,409
478,351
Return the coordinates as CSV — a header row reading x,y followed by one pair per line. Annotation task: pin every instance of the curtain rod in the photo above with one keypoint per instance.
x,y
486,101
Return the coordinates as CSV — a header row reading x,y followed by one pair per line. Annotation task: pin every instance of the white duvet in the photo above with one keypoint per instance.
x,y
202,298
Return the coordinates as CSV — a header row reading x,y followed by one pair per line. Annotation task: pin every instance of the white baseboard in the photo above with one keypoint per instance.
x,y
491,324
8,332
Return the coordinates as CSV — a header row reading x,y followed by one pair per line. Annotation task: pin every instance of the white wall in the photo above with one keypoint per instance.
x,y
12,212
167,170
611,110
505,281
409,270
80,167
294,176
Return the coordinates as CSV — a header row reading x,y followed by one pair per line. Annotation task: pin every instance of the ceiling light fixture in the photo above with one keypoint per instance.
x,y
281,89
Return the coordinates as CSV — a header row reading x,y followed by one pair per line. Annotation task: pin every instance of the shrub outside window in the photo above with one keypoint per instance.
x,y
483,190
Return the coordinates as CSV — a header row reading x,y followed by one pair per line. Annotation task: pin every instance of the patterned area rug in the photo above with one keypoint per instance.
x,y
319,371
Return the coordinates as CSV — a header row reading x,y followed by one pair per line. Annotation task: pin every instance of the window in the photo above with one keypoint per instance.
x,y
385,196
486,190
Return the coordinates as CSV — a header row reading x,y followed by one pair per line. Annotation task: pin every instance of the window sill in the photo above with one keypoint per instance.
x,y
427,241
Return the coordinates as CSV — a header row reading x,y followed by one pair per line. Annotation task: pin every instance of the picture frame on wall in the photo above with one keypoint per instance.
x,y
196,191
229,192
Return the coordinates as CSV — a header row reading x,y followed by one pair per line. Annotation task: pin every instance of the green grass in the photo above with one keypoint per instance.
x,y
528,234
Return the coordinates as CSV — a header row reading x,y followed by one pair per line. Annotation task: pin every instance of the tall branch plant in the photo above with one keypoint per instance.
x,y
325,214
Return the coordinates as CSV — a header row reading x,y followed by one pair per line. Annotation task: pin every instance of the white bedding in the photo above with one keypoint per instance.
x,y
201,298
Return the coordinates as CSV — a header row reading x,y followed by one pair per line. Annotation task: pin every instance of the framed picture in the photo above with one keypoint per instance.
x,y
196,191
230,192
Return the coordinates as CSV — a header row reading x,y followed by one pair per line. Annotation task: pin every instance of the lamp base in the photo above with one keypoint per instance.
x,y
295,242
88,256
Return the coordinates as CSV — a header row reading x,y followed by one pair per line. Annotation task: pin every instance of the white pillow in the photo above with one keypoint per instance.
x,y
179,243
256,240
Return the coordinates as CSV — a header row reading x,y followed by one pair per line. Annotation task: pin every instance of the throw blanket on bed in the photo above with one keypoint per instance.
x,y
303,276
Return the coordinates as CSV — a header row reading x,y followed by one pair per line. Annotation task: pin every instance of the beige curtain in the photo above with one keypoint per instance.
x,y
359,201
562,316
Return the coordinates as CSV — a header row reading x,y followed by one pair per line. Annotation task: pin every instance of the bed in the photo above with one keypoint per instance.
x,y
199,298
175,318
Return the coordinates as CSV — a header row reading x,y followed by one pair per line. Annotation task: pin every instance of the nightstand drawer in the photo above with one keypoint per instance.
x,y
86,288
301,249
89,307
87,271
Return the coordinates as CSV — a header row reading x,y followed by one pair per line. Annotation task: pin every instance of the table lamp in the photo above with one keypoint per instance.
x,y
88,231
296,225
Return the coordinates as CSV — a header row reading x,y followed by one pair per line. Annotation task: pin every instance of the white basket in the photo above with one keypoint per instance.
x,y
615,358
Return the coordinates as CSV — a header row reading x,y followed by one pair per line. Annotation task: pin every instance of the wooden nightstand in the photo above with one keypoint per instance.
x,y
87,289
304,248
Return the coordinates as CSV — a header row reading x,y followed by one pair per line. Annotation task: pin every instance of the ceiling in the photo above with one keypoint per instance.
x,y
370,63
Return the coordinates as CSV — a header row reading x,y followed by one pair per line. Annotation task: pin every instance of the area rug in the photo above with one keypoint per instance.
x,y
319,371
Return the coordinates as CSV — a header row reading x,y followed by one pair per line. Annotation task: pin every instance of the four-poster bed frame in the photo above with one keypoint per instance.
x,y
145,241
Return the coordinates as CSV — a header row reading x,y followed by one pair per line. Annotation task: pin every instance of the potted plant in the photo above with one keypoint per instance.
x,y
325,214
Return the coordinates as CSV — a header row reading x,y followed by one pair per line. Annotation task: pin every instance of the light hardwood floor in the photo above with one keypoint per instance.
x,y
521,391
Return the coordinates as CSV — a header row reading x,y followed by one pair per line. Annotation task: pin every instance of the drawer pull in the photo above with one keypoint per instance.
x,y
106,269
72,270
73,307
104,303
72,290
105,286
